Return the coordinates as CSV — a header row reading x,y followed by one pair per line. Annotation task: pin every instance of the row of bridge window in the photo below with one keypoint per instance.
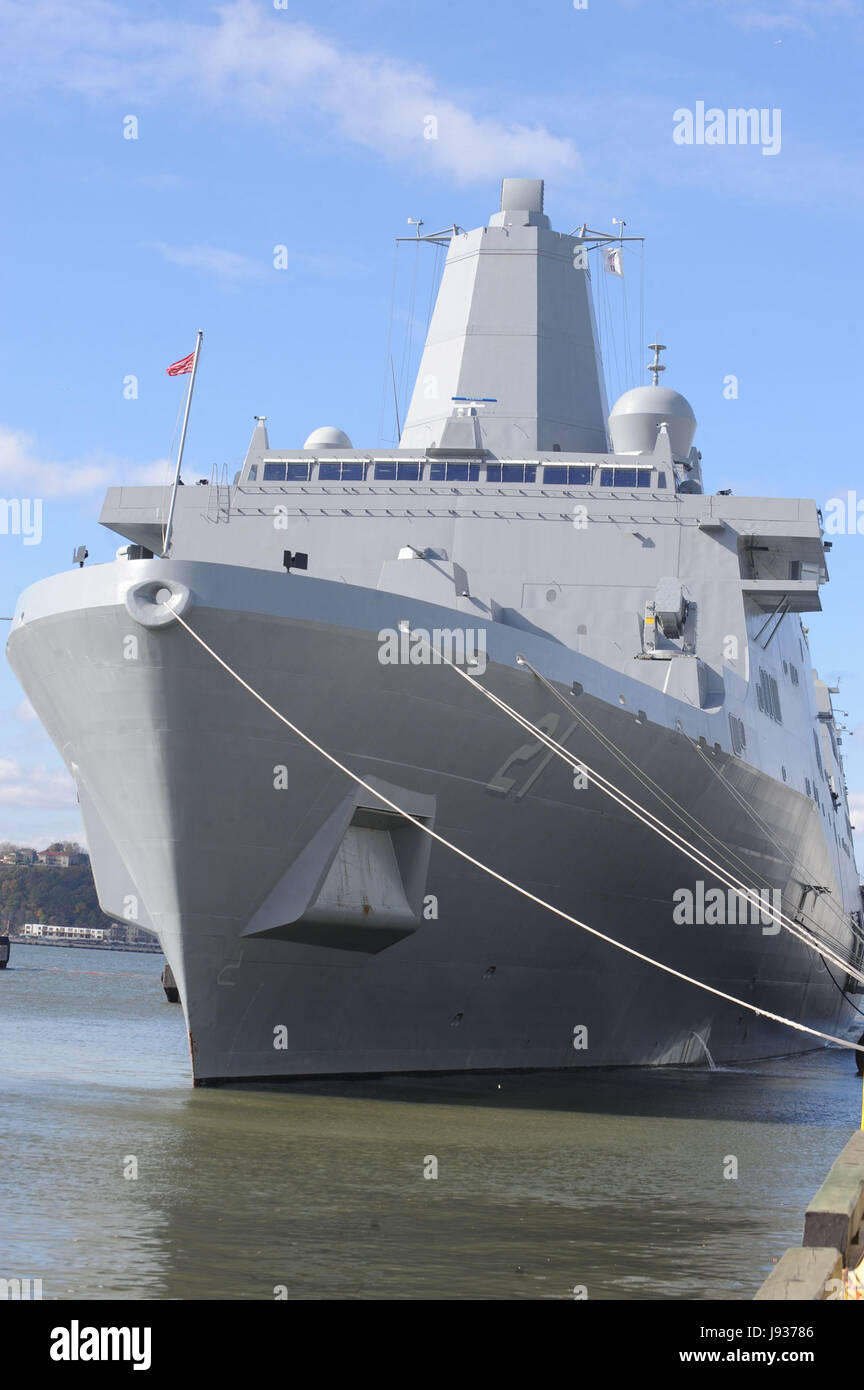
x,y
578,475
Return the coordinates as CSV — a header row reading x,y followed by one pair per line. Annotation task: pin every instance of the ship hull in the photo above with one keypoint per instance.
x,y
202,809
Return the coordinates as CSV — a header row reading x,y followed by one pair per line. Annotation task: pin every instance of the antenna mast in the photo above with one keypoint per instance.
x,y
656,366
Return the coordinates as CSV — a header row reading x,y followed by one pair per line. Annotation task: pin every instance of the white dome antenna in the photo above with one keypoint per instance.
x,y
328,437
637,416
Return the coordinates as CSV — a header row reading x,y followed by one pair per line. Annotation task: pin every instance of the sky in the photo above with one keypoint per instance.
x,y
155,156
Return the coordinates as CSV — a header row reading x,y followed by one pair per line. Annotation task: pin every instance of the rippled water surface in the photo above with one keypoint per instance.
x,y
612,1181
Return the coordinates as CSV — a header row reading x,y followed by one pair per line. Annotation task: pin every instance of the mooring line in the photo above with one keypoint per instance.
x,y
793,924
665,832
508,883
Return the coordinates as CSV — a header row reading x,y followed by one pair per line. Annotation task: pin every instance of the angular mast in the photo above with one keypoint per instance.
x,y
514,322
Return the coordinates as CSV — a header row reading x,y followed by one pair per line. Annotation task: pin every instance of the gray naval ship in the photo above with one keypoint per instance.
x,y
580,573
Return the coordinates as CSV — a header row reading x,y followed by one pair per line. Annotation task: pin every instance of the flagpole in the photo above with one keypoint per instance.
x,y
167,541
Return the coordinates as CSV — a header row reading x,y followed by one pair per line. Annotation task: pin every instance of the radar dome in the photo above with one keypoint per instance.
x,y
328,437
638,414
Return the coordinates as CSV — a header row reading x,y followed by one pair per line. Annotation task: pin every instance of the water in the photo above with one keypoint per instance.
x,y
612,1181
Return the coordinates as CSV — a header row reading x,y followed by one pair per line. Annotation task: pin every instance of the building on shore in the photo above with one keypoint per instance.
x,y
59,858
48,931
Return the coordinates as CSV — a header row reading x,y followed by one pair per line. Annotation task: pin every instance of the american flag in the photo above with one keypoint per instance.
x,y
182,367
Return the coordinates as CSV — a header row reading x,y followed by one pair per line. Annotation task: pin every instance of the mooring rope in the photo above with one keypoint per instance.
x,y
648,818
762,825
500,878
701,829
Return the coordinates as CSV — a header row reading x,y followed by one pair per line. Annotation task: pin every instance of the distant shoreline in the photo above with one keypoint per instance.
x,y
86,945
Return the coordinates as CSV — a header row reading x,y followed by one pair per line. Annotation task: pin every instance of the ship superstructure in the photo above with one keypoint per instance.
x,y
573,561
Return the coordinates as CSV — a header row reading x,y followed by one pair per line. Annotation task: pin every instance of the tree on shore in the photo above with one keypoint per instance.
x,y
64,897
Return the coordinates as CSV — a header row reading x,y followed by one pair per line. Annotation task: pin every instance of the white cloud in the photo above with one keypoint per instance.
x,y
252,63
24,711
805,16
35,787
27,473
232,265
267,65
156,474
24,473
39,831
229,264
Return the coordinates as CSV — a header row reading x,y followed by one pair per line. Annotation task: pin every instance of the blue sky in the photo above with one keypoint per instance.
x,y
303,126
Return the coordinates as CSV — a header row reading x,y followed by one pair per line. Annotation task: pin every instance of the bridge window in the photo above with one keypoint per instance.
x,y
454,472
297,472
576,474
627,477
340,472
274,473
398,472
511,472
